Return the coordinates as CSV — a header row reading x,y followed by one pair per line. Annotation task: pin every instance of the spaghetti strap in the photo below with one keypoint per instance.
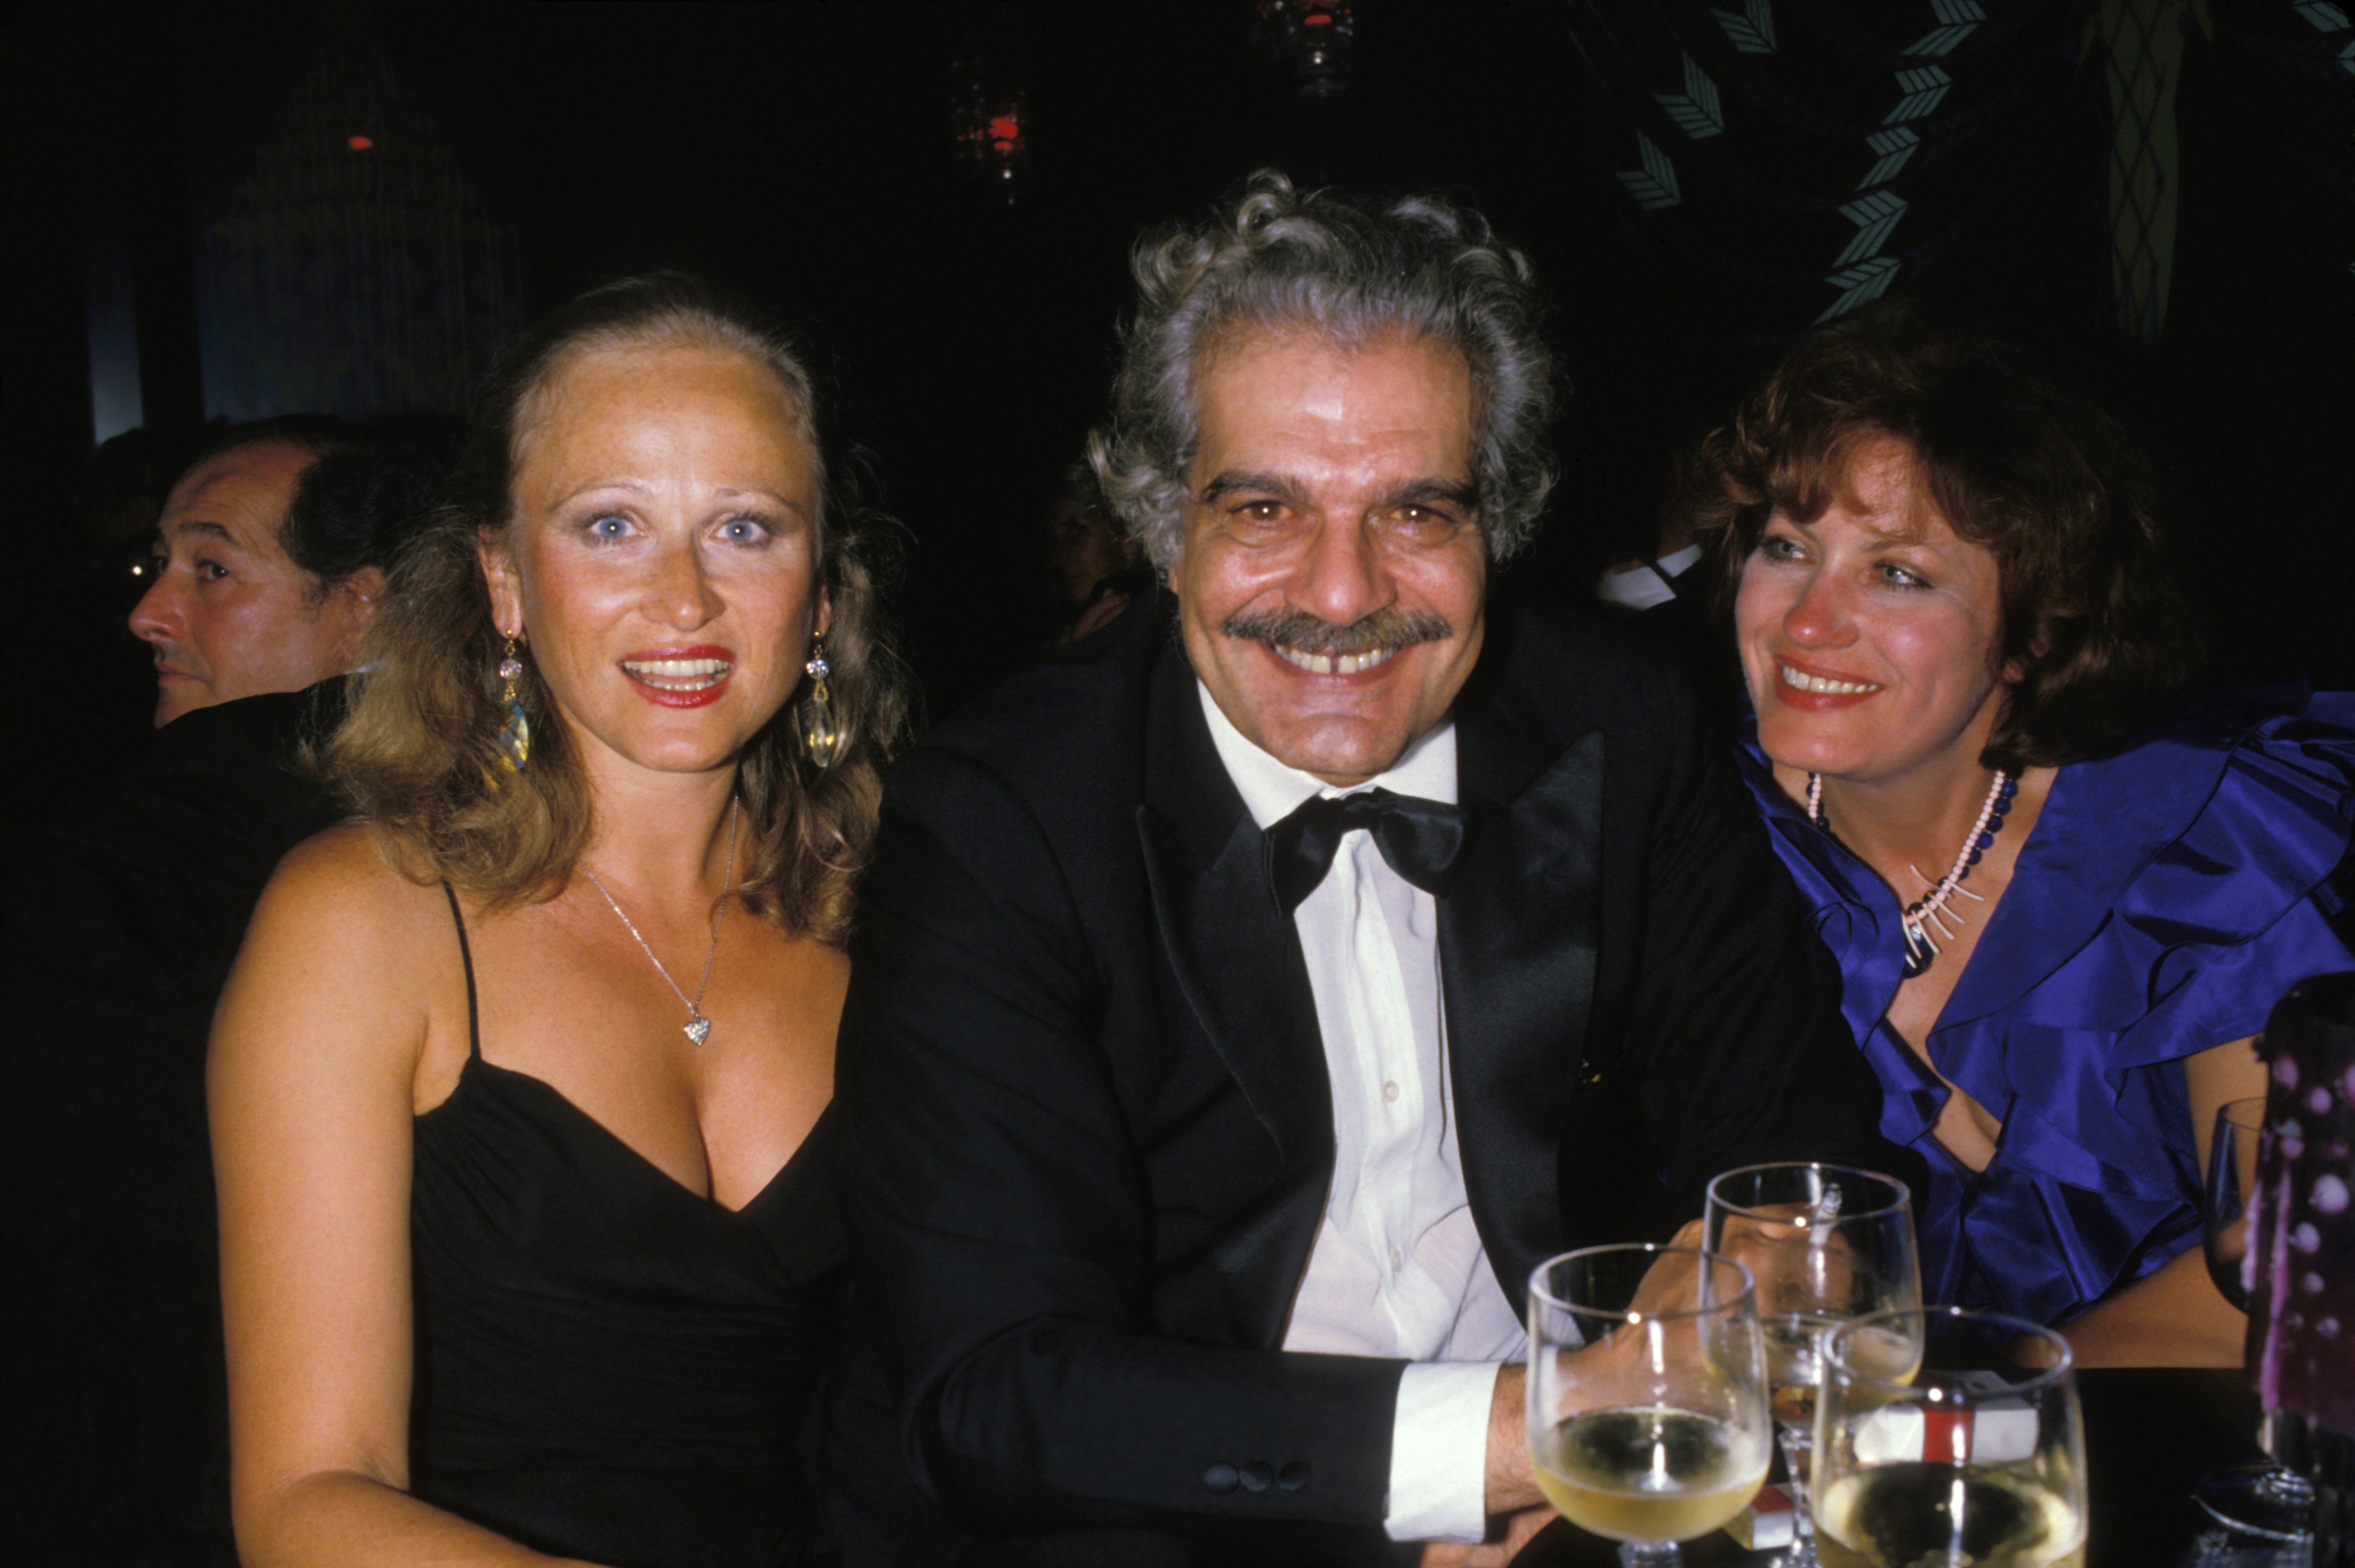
x,y
466,955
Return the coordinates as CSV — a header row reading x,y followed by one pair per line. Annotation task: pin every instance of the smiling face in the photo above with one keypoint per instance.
x,y
1330,588
662,555
1870,636
230,614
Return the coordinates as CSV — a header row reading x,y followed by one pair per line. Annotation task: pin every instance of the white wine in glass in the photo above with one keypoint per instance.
x,y
1646,1393
1827,1244
1975,1461
1654,1473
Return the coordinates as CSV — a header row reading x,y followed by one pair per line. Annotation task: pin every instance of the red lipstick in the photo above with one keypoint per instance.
x,y
693,677
1805,700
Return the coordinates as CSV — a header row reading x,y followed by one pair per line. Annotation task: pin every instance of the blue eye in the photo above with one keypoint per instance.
x,y
1901,578
611,525
743,530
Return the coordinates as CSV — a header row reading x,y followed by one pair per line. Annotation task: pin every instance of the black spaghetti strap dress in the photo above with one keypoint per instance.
x,y
610,1366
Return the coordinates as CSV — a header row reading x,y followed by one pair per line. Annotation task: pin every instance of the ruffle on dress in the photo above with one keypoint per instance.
x,y
2165,900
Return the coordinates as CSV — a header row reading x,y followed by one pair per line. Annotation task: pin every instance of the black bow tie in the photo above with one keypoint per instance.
x,y
1421,840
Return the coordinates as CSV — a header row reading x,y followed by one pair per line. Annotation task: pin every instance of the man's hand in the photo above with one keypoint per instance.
x,y
1511,1487
1498,1554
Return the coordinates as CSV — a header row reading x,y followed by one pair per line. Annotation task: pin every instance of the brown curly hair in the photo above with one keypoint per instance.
x,y
417,751
2094,611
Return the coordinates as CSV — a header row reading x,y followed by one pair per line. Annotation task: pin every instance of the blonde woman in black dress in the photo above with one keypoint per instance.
x,y
519,1089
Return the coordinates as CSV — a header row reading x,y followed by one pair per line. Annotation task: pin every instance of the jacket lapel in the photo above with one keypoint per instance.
x,y
1235,954
1518,946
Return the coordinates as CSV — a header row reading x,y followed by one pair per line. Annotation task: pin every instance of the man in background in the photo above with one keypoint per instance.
x,y
250,593
1097,569
121,917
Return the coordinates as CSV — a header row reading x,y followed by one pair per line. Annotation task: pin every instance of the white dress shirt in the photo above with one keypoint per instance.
x,y
1397,1269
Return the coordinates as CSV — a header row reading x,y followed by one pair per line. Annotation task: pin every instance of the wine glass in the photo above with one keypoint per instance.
x,y
1647,1394
2267,1500
1977,1457
1826,1245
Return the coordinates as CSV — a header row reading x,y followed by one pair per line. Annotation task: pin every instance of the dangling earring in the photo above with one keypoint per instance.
x,y
820,738
514,735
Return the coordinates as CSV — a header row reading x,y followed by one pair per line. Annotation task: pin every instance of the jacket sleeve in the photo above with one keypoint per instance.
x,y
1004,1225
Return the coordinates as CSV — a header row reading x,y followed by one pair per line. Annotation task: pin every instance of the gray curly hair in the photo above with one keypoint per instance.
x,y
1355,271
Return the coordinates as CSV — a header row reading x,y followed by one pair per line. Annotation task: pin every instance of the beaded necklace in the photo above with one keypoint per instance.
x,y
1929,913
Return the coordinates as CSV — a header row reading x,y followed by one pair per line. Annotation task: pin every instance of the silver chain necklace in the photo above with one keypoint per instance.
x,y
696,1028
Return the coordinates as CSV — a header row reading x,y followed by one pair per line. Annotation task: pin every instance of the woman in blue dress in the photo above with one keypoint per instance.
x,y
2063,897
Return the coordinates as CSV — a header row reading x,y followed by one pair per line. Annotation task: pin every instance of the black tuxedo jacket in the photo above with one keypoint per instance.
x,y
1091,1128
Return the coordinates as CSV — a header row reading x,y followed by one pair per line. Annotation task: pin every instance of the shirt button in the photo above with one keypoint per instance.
x,y
1390,1091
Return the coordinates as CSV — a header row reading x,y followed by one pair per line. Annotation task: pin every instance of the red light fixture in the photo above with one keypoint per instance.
x,y
361,143
989,102
1311,39
992,132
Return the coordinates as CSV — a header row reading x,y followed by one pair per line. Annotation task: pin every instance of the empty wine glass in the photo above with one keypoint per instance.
x,y
2267,1500
1826,1245
1977,1459
1647,1394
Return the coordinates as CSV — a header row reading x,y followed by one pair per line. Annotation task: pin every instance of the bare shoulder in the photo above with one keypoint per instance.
x,y
343,885
333,959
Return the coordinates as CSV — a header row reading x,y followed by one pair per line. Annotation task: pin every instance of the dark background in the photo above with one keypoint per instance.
x,y
817,159
808,156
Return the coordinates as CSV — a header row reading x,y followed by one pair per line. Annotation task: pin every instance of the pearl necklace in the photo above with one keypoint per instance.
x,y
1929,913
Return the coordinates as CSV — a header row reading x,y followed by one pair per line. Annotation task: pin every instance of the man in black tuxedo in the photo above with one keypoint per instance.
x,y
1208,1108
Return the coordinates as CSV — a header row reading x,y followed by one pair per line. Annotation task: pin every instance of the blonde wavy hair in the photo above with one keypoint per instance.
x,y
417,755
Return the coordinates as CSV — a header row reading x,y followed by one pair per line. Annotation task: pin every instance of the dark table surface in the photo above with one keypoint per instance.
x,y
2150,1432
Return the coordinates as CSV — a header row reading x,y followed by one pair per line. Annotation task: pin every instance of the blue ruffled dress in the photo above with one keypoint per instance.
x,y
2165,900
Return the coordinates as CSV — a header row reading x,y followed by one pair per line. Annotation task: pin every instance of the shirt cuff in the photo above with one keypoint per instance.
x,y
1439,1452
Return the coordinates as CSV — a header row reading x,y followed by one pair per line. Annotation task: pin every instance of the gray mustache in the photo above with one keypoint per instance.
x,y
1384,630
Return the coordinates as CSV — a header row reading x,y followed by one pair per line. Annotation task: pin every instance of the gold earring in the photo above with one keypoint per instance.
x,y
820,738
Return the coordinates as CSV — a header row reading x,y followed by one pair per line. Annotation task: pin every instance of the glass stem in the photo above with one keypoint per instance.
x,y
1649,1554
2286,1446
1798,1443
